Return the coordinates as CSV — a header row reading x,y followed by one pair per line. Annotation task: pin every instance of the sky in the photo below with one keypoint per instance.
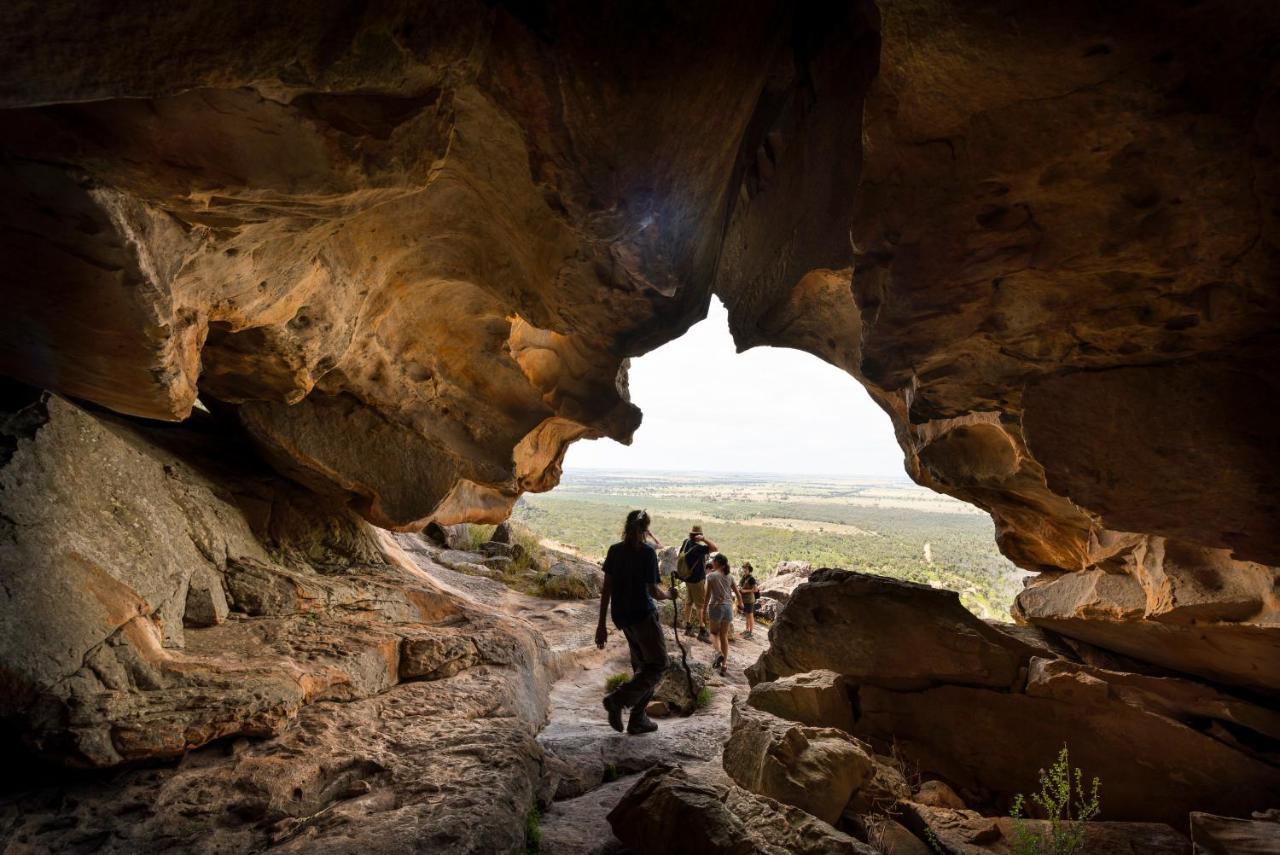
x,y
708,408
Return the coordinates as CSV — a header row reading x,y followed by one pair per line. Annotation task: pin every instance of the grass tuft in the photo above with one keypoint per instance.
x,y
533,831
616,680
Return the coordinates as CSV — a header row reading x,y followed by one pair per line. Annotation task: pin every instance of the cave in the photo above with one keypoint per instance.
x,y
288,285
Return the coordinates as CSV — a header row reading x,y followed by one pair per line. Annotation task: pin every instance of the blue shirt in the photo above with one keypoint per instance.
x,y
631,572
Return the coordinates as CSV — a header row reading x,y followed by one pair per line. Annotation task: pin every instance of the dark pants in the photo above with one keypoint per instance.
x,y
648,662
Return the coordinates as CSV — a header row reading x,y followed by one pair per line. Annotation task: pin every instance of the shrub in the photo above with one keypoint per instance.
x,y
476,535
1063,801
616,680
704,698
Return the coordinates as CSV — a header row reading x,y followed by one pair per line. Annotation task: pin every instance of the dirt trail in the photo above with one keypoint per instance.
x,y
596,764
602,764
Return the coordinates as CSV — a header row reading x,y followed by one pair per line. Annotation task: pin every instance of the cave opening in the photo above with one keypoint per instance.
x,y
786,459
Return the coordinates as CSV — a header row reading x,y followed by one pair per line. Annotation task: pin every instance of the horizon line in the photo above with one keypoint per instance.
x,y
575,469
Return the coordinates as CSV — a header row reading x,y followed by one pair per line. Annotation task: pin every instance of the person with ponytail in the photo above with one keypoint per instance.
x,y
631,584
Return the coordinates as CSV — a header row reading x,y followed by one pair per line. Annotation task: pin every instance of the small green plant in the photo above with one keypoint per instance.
x,y
610,772
1063,801
476,535
616,680
532,831
703,698
934,843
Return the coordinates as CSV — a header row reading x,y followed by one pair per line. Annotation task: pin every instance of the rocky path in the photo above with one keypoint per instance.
x,y
596,765
599,765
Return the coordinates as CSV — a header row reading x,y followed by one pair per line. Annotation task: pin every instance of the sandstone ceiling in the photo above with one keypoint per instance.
x,y
410,248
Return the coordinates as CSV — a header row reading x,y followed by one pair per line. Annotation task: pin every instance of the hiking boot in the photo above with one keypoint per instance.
x,y
614,709
747,634
703,635
640,724
688,629
717,662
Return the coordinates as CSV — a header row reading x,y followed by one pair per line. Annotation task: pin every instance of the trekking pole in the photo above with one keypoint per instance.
x,y
675,630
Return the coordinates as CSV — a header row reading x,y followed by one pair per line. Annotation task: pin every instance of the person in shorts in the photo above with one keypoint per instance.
x,y
696,549
749,588
722,592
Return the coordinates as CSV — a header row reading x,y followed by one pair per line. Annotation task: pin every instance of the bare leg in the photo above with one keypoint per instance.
x,y
751,620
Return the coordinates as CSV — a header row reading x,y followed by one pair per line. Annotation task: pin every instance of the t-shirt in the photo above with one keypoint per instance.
x,y
719,589
748,582
696,559
630,573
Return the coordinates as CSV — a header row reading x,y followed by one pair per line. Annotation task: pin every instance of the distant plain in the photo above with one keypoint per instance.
x,y
888,526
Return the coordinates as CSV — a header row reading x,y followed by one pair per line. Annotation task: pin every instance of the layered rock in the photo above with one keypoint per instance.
x,y
950,692
408,251
813,768
1065,330
965,832
159,597
674,810
1224,835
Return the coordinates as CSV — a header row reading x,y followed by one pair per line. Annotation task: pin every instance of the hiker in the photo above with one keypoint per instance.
x,y
722,591
694,553
631,584
749,588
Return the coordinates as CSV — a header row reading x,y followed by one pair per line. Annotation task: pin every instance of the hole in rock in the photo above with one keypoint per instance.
x,y
780,457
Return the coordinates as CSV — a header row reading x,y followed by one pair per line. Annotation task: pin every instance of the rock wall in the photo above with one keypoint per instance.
x,y
160,596
401,255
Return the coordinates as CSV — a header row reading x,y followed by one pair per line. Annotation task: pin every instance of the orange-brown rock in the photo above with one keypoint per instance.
x,y
817,769
966,832
889,633
676,810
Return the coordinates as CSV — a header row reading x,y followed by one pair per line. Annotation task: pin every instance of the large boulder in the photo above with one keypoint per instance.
x,y
817,769
925,675
787,576
887,632
1212,641
572,578
815,698
674,810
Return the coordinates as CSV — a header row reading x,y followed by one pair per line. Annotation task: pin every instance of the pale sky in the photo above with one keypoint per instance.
x,y
708,408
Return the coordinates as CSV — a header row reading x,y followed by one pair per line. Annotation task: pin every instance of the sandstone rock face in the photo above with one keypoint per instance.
x,y
788,576
158,598
815,698
572,578
407,252
672,810
842,622
948,691
1224,835
813,768
965,832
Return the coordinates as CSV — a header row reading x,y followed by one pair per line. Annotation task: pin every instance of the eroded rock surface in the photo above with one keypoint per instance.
x,y
678,811
160,598
406,251
949,692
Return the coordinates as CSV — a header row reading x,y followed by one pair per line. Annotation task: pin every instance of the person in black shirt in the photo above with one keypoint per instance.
x,y
697,552
631,584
